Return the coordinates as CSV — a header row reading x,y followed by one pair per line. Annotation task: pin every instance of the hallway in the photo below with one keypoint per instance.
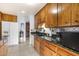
x,y
23,49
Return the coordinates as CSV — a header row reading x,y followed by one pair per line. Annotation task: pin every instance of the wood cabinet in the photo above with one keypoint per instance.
x,y
64,14
46,16
0,16
3,50
37,44
64,52
75,14
36,25
46,48
0,30
37,20
48,52
52,15
9,18
42,15
59,15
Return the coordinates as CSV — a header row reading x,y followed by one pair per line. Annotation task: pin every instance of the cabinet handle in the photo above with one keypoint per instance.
x,y
76,21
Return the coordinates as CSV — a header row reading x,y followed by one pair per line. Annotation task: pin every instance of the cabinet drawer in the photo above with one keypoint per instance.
x,y
53,47
65,52
46,43
48,52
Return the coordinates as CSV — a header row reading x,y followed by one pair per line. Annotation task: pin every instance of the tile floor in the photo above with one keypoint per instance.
x,y
23,49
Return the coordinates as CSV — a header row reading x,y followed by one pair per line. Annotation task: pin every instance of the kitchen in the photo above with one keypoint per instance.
x,y
57,30
54,29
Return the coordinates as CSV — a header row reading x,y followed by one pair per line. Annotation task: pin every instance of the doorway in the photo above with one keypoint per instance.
x,y
27,29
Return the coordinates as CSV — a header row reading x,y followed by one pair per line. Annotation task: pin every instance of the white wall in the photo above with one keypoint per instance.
x,y
31,20
22,19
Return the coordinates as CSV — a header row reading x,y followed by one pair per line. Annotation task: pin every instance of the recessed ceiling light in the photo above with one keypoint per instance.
x,y
31,3
23,12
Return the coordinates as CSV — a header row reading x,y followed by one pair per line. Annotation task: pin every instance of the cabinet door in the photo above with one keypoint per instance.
x,y
37,44
64,14
9,18
64,52
3,50
0,16
42,49
75,14
52,14
48,52
42,12
5,17
12,18
36,21
43,15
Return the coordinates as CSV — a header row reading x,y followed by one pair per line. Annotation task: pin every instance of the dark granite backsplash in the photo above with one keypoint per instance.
x,y
66,29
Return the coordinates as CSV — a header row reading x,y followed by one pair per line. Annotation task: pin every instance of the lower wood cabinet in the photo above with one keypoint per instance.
x,y
0,16
46,48
64,52
37,44
3,50
47,51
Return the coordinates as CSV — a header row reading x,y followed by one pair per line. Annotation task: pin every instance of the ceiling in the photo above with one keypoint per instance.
x,y
20,8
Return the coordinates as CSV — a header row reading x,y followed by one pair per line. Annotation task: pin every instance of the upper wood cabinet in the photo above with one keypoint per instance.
x,y
10,18
64,14
43,12
52,15
36,25
42,15
0,16
59,15
37,19
75,14
45,15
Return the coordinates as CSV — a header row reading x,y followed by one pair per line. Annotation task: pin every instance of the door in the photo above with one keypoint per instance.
x,y
27,29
